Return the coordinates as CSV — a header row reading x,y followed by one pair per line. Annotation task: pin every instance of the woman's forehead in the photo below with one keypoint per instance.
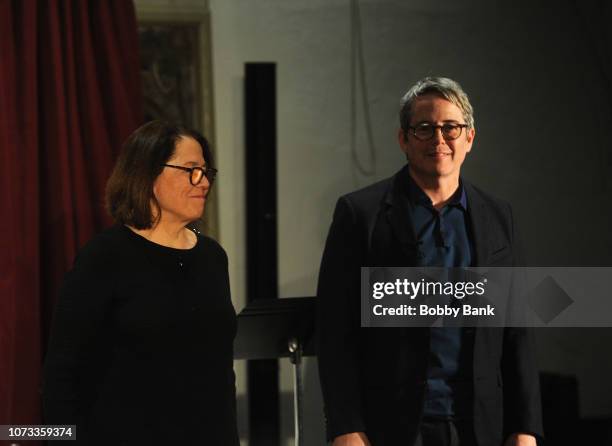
x,y
188,150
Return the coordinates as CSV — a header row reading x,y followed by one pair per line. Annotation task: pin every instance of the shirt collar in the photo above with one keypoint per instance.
x,y
417,196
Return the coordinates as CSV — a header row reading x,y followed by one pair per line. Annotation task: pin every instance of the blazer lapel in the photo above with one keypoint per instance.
x,y
398,211
479,223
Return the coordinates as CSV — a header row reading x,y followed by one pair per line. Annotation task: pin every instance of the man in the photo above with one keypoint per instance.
x,y
423,386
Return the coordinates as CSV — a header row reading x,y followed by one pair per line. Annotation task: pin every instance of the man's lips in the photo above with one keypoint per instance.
x,y
439,154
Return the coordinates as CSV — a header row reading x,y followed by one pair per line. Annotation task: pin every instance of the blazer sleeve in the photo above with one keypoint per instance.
x,y
522,400
338,323
75,340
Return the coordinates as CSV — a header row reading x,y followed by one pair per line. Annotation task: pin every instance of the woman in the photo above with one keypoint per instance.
x,y
141,347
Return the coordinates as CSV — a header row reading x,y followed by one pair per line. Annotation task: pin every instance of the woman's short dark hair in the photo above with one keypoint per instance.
x,y
129,190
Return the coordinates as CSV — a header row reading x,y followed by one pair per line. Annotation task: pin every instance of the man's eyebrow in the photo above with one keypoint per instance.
x,y
446,121
194,164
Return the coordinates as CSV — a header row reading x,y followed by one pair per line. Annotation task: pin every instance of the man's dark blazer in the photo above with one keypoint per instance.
x,y
373,378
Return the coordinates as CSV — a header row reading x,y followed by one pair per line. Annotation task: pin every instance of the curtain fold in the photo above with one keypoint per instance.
x,y
69,95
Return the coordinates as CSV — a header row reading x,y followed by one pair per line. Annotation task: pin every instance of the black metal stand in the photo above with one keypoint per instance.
x,y
279,328
296,359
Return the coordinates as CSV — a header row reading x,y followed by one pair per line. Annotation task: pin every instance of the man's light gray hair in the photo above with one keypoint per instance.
x,y
443,86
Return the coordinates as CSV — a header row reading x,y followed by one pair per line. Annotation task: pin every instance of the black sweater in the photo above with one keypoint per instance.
x,y
141,346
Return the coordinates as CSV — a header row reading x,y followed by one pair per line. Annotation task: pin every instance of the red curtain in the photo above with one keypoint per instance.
x,y
69,95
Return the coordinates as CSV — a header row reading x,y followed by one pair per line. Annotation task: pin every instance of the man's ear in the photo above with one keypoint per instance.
x,y
402,138
471,133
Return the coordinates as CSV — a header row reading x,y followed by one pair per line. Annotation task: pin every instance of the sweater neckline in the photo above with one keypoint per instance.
x,y
161,248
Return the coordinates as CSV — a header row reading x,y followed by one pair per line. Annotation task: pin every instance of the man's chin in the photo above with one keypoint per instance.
x,y
431,172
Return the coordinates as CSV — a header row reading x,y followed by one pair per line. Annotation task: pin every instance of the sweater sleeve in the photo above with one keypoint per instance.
x,y
75,337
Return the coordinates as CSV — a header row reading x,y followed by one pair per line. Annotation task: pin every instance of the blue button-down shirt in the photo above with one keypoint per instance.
x,y
444,241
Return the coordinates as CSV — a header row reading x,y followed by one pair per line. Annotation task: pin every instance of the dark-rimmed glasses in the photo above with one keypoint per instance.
x,y
197,173
426,131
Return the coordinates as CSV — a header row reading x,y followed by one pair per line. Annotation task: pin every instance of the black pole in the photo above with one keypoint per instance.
x,y
261,241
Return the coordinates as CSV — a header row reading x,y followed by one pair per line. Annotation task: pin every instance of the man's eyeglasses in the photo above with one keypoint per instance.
x,y
197,173
426,131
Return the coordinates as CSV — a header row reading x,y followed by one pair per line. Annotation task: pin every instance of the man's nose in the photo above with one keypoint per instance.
x,y
438,136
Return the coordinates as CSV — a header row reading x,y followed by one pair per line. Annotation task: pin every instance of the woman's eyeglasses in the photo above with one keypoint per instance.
x,y
197,173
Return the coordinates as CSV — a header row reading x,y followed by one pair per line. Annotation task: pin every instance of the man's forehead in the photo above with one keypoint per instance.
x,y
435,103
